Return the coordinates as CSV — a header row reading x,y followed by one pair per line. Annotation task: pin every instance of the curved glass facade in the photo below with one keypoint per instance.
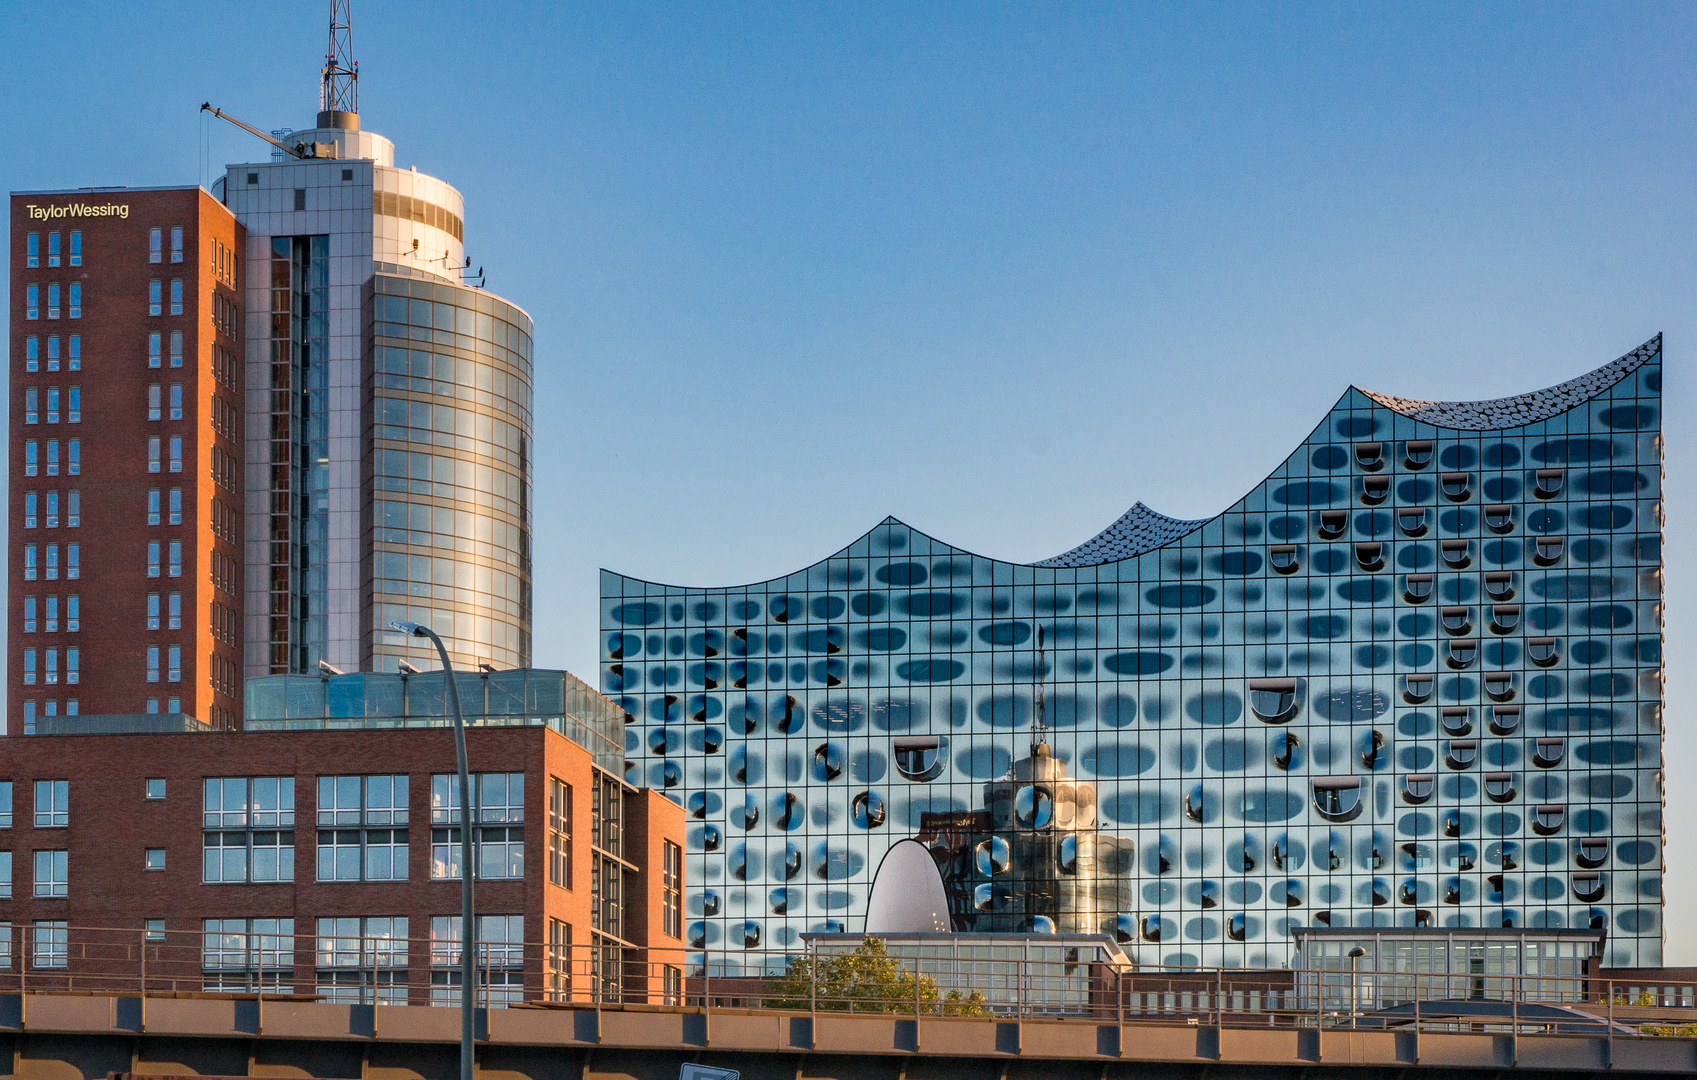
x,y
448,437
1411,679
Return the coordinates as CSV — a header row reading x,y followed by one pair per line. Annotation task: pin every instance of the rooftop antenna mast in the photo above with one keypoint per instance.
x,y
338,88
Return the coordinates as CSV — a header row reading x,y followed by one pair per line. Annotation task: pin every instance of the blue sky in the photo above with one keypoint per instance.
x,y
1000,271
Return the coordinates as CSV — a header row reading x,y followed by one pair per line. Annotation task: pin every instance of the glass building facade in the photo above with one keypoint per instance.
x,y
1412,679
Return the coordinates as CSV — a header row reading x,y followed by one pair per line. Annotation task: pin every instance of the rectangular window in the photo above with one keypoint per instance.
x,y
52,804
52,404
73,666
153,611
74,459
245,956
154,350
32,251
29,457
153,789
5,804
176,296
29,718
52,352
6,884
32,353
153,858
154,410
176,243
153,558
154,930
672,885
73,613
174,664
53,300
73,405
51,869
29,509
76,247
29,614
559,833
497,825
76,299
152,664
50,944
53,248
75,357
174,564
176,348
32,405
175,511
559,960
52,562
52,509
52,669
32,301
153,446
73,509
363,960
174,611
29,562
52,614
155,297
155,246
176,453
176,401
500,959
73,561
153,517
357,835
249,824
52,457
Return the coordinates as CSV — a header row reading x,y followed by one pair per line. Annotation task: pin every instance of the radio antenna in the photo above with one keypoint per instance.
x,y
338,88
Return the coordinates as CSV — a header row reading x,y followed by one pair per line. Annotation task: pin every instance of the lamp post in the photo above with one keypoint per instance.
x,y
468,918
1355,955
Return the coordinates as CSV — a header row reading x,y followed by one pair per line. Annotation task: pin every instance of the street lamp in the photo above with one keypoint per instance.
x,y
1355,955
468,923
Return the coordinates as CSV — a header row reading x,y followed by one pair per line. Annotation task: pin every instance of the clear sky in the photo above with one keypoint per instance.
x,y
998,270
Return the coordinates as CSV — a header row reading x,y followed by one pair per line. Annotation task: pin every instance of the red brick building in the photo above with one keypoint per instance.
x,y
312,860
124,568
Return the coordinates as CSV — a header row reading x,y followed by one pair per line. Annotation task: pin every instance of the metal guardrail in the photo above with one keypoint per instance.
x,y
53,958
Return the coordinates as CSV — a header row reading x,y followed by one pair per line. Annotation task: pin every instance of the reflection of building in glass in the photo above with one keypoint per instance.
x,y
1388,966
1412,679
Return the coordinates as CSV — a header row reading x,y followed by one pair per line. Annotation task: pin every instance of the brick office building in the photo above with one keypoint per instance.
x,y
316,852
126,488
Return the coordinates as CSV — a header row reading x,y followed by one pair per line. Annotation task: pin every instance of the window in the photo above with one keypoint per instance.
x,y
1499,786
176,401
174,664
1548,819
52,668
176,243
248,955
29,667
153,859
51,947
153,611
1273,700
1462,753
559,960
73,457
52,404
175,567
363,960
672,886
498,833
358,838
73,405
73,613
29,718
249,824
1337,798
153,446
73,509
76,299
53,300
175,507
29,509
75,356
500,960
32,405
153,350
51,871
559,833
29,614
918,757
153,558
32,251
32,353
52,353
154,930
174,611
176,348
52,804
153,402
5,804
52,509
30,457
76,247
73,561
300,198
153,506
52,614
29,562
155,297
1418,787
6,880
176,296
53,248
32,301
155,246
176,453
153,788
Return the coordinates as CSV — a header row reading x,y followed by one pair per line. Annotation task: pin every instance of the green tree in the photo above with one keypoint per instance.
x,y
866,980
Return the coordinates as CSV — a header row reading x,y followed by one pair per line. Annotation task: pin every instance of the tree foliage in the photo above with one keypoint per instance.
x,y
866,980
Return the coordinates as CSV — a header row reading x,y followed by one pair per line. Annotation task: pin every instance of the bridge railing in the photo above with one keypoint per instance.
x,y
271,958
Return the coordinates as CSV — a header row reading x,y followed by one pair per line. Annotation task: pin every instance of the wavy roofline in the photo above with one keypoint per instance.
x,y
1493,414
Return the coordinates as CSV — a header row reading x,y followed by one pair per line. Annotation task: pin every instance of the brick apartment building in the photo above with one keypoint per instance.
x,y
123,581
317,852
